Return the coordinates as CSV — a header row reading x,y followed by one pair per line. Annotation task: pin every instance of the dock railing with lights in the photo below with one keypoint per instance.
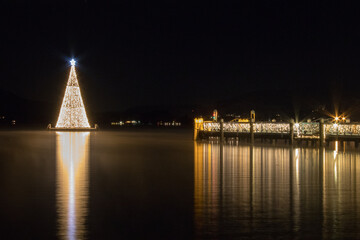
x,y
278,130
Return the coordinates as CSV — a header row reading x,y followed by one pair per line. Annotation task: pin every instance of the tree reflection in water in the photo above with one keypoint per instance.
x,y
72,150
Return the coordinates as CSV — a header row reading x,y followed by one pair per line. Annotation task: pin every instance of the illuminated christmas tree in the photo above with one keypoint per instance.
x,y
72,114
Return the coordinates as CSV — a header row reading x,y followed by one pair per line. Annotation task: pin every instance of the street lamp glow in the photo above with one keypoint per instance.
x,y
72,62
336,118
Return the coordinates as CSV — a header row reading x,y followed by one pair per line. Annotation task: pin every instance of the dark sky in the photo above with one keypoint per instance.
x,y
177,52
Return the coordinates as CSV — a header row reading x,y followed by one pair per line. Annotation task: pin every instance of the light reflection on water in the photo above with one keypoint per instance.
x,y
150,185
72,183
260,192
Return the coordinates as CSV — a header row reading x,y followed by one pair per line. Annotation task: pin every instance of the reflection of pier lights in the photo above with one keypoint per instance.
x,y
251,182
72,183
235,177
286,184
294,191
321,182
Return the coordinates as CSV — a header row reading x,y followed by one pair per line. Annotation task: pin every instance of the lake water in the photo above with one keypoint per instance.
x,y
162,185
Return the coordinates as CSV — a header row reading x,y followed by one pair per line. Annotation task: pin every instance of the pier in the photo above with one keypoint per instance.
x,y
316,133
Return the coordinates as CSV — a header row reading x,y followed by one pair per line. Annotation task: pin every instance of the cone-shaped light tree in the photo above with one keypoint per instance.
x,y
72,113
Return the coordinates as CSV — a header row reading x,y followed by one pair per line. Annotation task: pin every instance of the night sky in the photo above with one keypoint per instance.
x,y
136,53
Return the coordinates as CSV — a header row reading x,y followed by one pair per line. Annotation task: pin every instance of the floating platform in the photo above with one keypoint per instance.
x,y
72,129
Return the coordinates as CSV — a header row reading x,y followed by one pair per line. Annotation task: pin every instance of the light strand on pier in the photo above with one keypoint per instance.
x,y
300,129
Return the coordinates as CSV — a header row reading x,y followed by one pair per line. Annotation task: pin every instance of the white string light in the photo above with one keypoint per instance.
x,y
300,129
72,114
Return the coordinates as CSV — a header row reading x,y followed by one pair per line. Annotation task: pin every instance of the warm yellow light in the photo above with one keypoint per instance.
x,y
72,179
72,113
335,125
343,118
336,118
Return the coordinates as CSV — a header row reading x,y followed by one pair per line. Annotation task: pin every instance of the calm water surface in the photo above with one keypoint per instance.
x,y
160,184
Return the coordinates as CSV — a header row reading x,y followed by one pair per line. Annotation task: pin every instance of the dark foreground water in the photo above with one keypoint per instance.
x,y
161,185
